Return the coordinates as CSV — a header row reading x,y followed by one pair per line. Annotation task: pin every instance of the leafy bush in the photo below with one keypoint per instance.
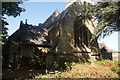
x,y
118,63
83,70
68,65
115,69
37,63
25,61
118,71
102,62
88,60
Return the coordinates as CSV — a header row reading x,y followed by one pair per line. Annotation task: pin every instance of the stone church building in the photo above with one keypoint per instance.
x,y
63,37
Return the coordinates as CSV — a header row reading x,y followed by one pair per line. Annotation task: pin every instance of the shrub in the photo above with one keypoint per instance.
x,y
118,63
118,71
115,69
88,60
68,65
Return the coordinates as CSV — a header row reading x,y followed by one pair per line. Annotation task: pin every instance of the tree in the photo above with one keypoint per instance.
x,y
12,9
9,9
107,15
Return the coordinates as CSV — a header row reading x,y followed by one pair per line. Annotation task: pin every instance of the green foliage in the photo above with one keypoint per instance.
x,y
5,54
104,61
4,33
107,16
88,60
9,9
68,65
115,69
37,63
12,9
119,63
84,70
29,62
46,71
25,61
1,38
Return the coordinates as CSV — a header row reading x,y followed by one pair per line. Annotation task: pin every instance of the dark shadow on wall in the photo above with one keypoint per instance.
x,y
105,55
81,37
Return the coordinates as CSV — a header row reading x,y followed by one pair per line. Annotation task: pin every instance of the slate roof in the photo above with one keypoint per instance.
x,y
52,19
101,45
29,34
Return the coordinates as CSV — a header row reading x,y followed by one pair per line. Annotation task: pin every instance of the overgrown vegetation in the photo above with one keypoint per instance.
x,y
10,9
107,15
113,65
100,69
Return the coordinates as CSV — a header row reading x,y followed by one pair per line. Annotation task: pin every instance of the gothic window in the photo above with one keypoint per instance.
x,y
77,31
81,33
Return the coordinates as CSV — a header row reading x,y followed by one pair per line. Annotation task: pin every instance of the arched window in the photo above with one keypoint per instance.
x,y
81,33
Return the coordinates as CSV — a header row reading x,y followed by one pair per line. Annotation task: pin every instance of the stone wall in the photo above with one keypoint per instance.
x,y
63,34
73,34
116,56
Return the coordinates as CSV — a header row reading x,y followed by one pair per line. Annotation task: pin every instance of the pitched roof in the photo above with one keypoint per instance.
x,y
52,19
101,45
29,34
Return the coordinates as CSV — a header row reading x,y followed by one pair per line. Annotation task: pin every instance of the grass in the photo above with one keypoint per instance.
x,y
100,69
113,65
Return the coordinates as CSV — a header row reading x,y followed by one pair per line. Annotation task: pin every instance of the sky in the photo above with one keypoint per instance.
x,y
38,12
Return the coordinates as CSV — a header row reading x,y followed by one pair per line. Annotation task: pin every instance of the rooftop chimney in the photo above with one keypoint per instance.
x,y
25,21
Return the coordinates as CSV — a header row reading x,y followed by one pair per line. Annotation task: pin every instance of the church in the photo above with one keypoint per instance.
x,y
63,37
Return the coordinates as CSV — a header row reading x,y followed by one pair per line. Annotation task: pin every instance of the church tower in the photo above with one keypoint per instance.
x,y
69,2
